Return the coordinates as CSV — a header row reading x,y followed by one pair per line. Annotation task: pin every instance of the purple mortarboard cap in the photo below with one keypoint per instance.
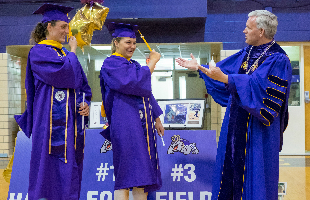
x,y
53,12
123,30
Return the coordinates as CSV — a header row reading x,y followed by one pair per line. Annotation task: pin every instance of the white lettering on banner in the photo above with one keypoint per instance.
x,y
90,195
103,172
191,172
19,196
112,167
103,194
204,194
182,195
179,194
177,172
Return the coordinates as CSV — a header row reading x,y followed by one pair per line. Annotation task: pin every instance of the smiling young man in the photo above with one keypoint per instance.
x,y
55,83
254,85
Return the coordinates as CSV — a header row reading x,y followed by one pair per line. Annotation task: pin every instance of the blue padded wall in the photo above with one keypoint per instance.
x,y
168,21
228,28
17,21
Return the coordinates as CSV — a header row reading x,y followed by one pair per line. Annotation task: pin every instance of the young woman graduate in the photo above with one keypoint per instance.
x,y
55,83
131,110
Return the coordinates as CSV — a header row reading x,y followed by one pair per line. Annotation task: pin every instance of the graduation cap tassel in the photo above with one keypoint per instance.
x,y
70,33
148,46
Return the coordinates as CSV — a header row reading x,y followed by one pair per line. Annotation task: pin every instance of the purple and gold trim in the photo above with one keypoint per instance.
x,y
272,105
51,122
66,130
147,130
267,116
275,93
278,81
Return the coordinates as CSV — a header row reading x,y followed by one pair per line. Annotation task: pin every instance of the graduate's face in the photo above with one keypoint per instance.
x,y
58,32
126,46
253,35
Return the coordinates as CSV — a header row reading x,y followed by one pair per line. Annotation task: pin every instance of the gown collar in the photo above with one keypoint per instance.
x,y
120,55
262,47
52,43
257,50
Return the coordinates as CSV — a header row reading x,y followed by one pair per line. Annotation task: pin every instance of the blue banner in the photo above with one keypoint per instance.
x,y
186,163
19,182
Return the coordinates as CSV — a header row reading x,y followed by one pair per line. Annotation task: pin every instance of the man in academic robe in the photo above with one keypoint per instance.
x,y
254,85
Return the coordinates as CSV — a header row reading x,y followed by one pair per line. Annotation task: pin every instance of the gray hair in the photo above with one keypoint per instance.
x,y
265,20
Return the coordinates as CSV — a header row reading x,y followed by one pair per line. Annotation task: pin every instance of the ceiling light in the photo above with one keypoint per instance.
x,y
102,47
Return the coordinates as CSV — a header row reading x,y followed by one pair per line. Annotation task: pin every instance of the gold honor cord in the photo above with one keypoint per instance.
x,y
75,120
84,139
148,46
66,131
153,131
51,122
246,141
147,130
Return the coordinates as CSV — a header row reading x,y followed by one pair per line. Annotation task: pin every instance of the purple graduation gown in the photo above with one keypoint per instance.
x,y
131,110
55,81
247,162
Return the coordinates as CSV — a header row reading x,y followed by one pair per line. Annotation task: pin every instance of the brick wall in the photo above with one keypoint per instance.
x,y
10,101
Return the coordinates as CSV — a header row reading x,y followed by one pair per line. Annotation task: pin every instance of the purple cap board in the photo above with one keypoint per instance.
x,y
123,30
53,12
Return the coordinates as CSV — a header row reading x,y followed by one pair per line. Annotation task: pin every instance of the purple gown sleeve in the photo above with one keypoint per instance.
x,y
49,68
155,108
263,92
86,89
125,77
218,89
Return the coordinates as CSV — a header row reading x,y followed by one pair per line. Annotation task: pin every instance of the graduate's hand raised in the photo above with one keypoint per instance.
x,y
215,73
73,44
84,110
154,58
159,127
190,64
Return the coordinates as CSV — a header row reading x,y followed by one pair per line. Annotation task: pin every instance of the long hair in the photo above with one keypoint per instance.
x,y
118,39
40,32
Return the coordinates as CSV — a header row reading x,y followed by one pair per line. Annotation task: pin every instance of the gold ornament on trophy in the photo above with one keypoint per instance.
x,y
88,19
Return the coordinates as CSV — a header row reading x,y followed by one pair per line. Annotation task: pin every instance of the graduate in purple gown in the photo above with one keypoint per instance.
x,y
254,85
55,83
131,110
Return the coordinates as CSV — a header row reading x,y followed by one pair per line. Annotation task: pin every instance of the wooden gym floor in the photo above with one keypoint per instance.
x,y
295,170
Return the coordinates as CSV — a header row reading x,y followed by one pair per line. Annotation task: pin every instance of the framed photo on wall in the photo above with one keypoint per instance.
x,y
182,113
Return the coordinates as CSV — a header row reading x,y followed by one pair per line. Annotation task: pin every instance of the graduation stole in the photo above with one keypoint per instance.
x,y
59,123
59,113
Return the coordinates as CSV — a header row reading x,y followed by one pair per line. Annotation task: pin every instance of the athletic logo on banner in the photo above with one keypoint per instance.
x,y
182,145
107,146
